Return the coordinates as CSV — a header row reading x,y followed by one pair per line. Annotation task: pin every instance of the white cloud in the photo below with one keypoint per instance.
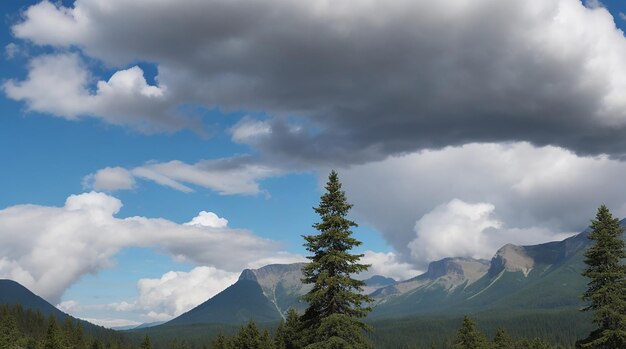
x,y
11,50
177,292
622,15
455,229
208,219
84,236
59,84
226,176
110,323
522,186
387,264
110,179
248,130
69,306
461,229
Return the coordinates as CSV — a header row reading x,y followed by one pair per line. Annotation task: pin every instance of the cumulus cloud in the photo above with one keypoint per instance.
x,y
177,292
387,264
110,179
227,176
59,84
461,229
208,219
521,187
47,248
546,72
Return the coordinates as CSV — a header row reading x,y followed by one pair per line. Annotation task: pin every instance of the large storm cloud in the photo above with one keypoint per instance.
x,y
352,81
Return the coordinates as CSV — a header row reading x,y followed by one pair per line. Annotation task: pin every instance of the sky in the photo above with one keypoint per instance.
x,y
152,150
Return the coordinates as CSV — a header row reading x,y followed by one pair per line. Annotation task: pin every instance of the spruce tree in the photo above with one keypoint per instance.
x,y
502,340
606,291
287,333
221,342
146,344
469,337
336,302
53,340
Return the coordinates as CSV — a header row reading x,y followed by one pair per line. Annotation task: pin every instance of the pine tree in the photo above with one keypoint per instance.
x,y
146,344
248,337
469,337
606,291
287,333
502,340
9,333
221,342
336,303
53,340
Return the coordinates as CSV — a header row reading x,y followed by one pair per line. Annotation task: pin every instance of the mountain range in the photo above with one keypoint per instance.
x,y
538,277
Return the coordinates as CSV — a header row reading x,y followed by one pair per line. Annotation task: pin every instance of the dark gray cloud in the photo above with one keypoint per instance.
x,y
348,82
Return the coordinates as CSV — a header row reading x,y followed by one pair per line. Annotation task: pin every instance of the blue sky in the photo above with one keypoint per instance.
x,y
451,138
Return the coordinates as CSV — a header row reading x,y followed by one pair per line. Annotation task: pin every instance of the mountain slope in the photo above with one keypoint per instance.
x,y
542,277
242,301
13,293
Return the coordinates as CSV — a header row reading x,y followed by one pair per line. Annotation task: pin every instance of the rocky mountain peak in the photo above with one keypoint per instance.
x,y
511,258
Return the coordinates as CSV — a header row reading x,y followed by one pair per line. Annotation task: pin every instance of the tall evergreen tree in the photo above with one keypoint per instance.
x,y
248,337
53,340
336,303
469,337
287,333
606,291
146,344
221,342
502,340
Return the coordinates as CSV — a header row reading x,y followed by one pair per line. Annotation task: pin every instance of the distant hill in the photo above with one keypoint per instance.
x,y
13,293
148,325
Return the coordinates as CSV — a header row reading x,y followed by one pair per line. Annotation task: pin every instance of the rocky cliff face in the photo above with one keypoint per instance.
x,y
446,274
511,258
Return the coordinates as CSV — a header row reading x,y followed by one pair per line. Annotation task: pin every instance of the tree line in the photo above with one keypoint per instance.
x,y
29,329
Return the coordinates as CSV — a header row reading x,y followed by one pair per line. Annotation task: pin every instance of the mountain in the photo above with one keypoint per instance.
x,y
543,277
148,325
263,294
375,282
540,277
13,293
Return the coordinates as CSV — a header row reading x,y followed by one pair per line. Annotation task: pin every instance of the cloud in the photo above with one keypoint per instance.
x,y
59,84
387,264
547,72
248,130
177,292
110,179
208,219
461,229
110,323
238,175
47,249
11,50
520,187
455,229
622,15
